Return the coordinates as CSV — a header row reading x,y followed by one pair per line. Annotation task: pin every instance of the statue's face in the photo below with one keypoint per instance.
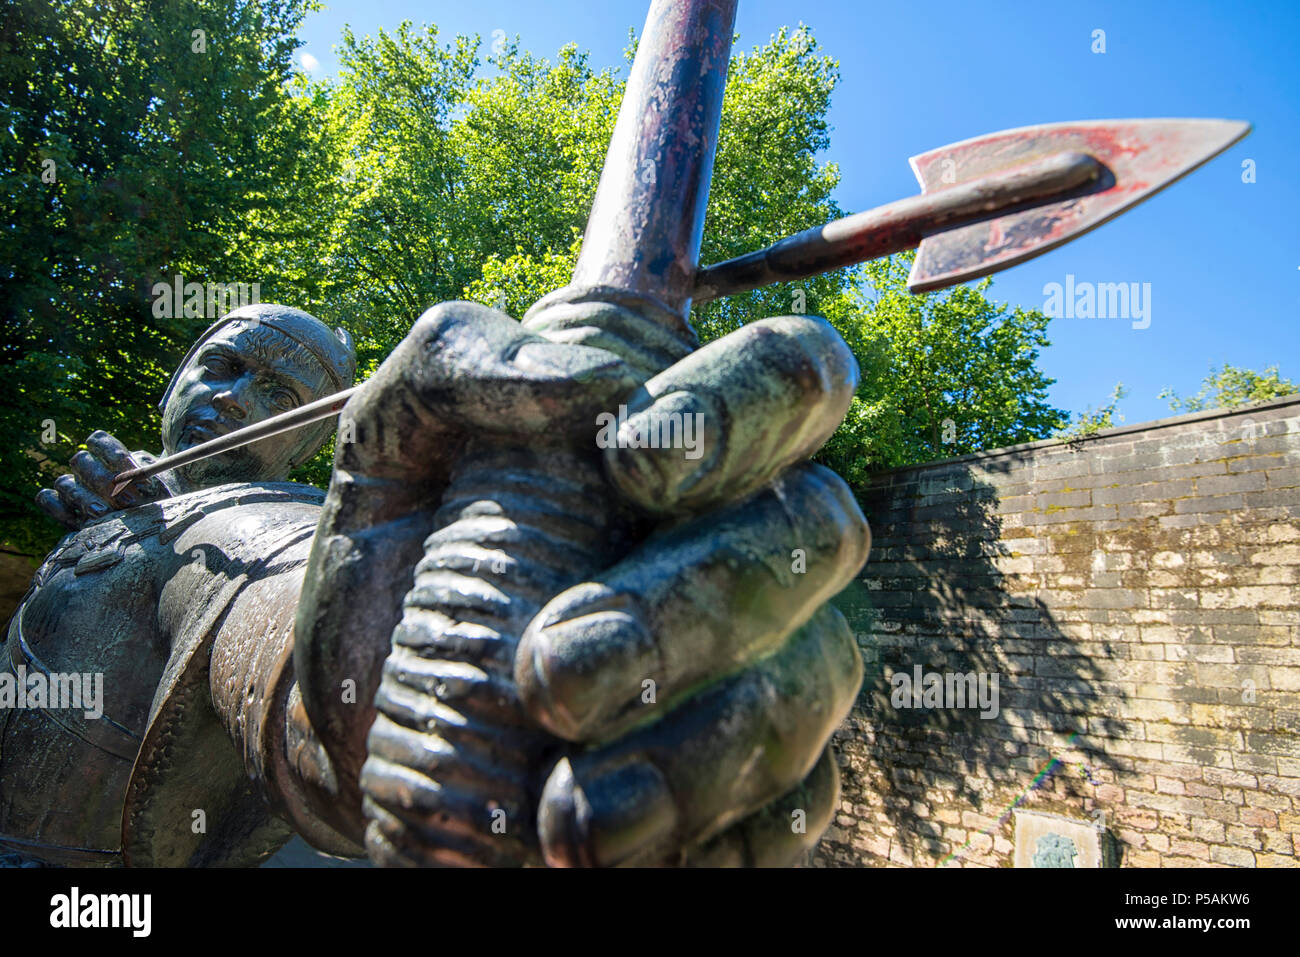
x,y
243,374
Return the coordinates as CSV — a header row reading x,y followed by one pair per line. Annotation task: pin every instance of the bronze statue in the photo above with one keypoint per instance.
x,y
194,595
104,600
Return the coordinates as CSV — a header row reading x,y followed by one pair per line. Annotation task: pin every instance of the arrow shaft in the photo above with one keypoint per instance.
x,y
324,408
898,226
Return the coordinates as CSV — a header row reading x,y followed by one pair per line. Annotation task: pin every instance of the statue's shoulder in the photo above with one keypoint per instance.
x,y
241,517
236,501
236,512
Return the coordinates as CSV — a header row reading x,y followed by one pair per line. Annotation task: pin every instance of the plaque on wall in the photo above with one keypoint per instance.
x,y
1050,840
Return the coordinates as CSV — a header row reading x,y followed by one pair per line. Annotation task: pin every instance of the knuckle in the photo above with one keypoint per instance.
x,y
852,532
432,325
843,656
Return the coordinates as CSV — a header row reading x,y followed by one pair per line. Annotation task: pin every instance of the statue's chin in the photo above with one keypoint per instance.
x,y
225,469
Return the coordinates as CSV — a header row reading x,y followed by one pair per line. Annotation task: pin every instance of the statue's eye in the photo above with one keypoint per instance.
x,y
284,400
217,365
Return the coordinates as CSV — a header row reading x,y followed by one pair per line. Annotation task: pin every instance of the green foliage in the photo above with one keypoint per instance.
x,y
1092,421
943,374
1230,387
165,161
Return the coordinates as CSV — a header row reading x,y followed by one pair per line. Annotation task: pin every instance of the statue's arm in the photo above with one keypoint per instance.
x,y
242,592
256,694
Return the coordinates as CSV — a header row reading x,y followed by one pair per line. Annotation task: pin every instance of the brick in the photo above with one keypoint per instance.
x,y
1254,763
1185,848
1258,817
1211,831
1137,818
1170,786
1233,778
1276,841
1236,482
1274,802
1244,837
1212,503
1110,794
1260,742
1247,597
1280,785
1283,478
1234,856
1207,756
1277,555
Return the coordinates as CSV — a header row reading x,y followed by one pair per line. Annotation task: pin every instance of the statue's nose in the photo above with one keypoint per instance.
x,y
226,403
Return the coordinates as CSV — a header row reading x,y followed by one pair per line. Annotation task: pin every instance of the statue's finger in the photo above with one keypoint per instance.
x,y
780,833
110,451
93,475
49,502
80,500
716,759
117,459
692,604
482,369
724,420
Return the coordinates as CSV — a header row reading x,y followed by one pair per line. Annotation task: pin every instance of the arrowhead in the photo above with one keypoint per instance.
x,y
1141,158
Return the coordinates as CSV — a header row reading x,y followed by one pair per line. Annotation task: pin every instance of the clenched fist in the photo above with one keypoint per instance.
x,y
587,645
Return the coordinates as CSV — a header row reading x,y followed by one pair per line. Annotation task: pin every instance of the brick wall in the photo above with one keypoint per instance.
x,y
1138,594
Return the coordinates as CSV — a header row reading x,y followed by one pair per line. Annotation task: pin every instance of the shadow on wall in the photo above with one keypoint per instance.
x,y
946,594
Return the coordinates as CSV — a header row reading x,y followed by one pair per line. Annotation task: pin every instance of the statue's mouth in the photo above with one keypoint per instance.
x,y
197,431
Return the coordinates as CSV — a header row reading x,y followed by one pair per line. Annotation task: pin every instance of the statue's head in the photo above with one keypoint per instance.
x,y
255,362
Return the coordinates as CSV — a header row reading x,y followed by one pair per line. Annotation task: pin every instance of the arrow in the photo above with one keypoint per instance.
x,y
992,202
986,204
330,405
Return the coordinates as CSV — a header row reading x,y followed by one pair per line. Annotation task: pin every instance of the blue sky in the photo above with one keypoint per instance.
x,y
1222,256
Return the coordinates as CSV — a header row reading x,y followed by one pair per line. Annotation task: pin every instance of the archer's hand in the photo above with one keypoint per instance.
x,y
705,673
698,679
86,495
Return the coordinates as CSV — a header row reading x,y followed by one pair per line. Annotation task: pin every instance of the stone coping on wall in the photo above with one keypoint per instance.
x,y
1153,425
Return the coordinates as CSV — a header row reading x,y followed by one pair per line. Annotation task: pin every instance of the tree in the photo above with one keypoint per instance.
x,y
454,186
138,142
1090,421
943,374
1230,387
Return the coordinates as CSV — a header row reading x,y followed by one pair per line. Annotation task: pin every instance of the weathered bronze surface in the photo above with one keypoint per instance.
x,y
992,202
133,596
